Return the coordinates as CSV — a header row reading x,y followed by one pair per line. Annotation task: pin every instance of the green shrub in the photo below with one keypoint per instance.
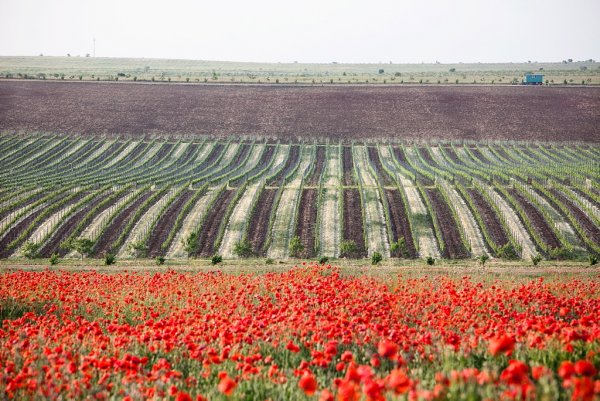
x,y
83,246
398,248
593,259
138,249
561,253
323,260
190,243
348,249
160,260
110,259
216,259
506,251
30,250
270,261
243,248
296,247
482,259
376,258
430,260
536,259
54,259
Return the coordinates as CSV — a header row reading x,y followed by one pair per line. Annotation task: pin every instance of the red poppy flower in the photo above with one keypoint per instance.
x,y
308,384
503,344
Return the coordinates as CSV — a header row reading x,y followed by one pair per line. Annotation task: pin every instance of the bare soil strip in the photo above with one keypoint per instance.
x,y
353,221
307,220
399,220
376,161
258,229
348,166
164,224
212,223
492,223
315,175
450,233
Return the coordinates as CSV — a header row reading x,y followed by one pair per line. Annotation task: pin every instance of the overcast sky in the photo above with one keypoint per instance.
x,y
402,31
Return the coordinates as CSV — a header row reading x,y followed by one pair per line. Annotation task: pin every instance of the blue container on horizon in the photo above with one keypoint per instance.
x,y
533,79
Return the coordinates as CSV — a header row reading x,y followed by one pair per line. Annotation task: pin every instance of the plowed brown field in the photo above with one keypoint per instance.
x,y
278,111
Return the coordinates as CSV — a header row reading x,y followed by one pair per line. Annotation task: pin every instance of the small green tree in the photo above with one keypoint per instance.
x,y
243,248
296,247
160,260
482,259
110,259
399,248
138,249
216,259
536,259
30,250
430,260
376,258
189,244
54,259
83,246
593,259
323,260
348,249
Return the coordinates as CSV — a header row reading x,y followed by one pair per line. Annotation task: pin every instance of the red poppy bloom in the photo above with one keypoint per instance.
x,y
308,384
503,344
227,385
387,349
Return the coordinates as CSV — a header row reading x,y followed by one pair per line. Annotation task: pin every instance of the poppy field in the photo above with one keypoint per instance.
x,y
312,332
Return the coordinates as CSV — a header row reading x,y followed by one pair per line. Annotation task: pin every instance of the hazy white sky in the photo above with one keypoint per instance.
x,y
402,31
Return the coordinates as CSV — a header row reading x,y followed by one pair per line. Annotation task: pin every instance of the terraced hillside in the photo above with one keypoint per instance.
x,y
163,196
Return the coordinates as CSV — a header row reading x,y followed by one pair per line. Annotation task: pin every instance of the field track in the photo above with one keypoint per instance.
x,y
342,113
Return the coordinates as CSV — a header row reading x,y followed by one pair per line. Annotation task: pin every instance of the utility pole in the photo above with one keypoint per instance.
x,y
94,49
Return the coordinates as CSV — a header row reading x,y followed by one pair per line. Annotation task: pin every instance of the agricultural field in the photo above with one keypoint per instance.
x,y
52,68
313,113
153,196
310,332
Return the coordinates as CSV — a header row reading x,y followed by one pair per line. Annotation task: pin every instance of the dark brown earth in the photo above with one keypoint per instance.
x,y
455,249
381,172
213,220
317,171
399,220
347,113
165,224
491,220
258,228
353,221
307,221
348,166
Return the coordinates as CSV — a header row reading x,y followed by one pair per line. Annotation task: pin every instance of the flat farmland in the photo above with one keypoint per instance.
x,y
297,113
